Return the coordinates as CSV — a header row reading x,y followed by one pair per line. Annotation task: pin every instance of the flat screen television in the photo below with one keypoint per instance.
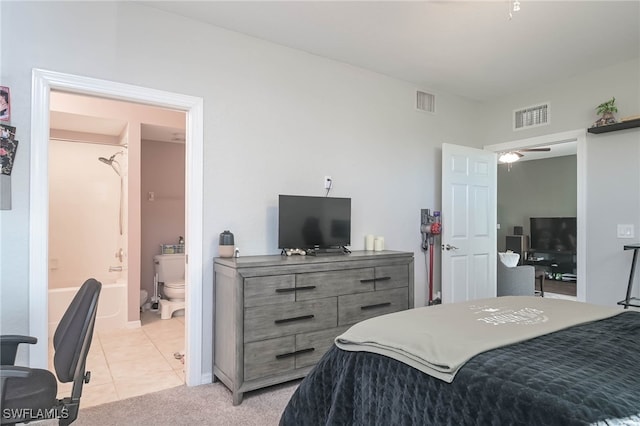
x,y
553,234
313,222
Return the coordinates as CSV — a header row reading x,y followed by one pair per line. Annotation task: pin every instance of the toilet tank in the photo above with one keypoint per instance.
x,y
169,267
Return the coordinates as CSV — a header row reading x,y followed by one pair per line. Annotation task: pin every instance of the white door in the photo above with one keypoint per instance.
x,y
469,205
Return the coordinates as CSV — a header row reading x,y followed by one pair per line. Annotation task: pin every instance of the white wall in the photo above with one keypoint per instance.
x,y
612,186
277,121
613,183
573,102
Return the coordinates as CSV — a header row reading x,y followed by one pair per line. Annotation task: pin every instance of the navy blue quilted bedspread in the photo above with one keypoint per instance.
x,y
587,374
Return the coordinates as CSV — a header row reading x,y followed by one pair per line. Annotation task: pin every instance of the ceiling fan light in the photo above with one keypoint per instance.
x,y
508,157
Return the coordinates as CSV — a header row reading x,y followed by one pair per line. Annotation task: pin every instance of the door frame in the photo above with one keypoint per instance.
x,y
43,81
580,137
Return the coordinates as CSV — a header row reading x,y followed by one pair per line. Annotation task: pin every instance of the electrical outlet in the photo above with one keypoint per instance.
x,y
625,231
327,182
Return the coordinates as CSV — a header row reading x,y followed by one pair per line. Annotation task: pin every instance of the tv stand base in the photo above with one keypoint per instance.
x,y
332,251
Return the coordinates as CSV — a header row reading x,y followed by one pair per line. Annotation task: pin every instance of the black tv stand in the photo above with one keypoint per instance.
x,y
554,263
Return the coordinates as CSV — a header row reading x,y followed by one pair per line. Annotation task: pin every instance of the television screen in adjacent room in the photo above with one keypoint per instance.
x,y
306,222
553,233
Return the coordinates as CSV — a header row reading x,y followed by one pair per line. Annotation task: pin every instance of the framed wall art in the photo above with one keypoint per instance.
x,y
5,104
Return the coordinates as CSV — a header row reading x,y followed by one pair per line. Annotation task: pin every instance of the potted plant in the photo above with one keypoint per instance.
x,y
606,110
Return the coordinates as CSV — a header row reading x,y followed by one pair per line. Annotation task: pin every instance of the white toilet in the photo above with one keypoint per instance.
x,y
169,269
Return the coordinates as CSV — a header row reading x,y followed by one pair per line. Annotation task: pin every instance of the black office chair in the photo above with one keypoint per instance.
x,y
29,394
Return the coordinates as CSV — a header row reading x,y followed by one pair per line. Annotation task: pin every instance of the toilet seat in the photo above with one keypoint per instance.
x,y
175,284
174,291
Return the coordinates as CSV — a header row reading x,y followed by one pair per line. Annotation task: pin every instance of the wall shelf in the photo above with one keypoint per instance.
x,y
617,126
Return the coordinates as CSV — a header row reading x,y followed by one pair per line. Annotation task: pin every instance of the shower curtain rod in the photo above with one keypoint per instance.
x,y
84,141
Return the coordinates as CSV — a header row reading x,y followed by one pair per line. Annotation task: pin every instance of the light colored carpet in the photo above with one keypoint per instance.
x,y
198,405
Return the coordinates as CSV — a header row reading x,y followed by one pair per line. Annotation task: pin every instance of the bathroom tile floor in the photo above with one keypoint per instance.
x,y
131,362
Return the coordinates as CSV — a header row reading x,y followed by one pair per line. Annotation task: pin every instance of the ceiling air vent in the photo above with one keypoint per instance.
x,y
533,116
425,101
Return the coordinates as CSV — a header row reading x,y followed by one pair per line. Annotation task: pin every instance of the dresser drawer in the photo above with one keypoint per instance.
x,y
320,341
259,291
268,357
266,322
334,283
392,277
354,308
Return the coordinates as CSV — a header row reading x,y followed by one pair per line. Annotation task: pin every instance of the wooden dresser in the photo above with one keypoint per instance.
x,y
275,316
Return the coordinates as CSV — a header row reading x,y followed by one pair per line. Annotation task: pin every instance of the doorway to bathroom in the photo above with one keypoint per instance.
x,y
90,177
43,83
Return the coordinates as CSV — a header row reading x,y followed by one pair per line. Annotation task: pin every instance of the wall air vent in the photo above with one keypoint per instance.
x,y
533,116
425,101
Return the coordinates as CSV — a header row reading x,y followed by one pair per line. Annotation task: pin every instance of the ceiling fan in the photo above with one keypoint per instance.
x,y
512,156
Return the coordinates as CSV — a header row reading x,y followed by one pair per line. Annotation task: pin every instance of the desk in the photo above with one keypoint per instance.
x,y
628,300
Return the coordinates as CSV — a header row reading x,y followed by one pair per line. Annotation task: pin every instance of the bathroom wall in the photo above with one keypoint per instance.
x,y
84,198
163,215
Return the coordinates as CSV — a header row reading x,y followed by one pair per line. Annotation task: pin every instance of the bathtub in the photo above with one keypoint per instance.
x,y
112,306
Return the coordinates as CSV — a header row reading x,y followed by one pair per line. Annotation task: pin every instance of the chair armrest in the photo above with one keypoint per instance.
x,y
9,347
17,338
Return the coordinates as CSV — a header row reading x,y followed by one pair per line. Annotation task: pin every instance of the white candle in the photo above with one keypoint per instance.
x,y
368,242
378,244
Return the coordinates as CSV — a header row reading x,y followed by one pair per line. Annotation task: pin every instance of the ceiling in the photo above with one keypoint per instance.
x,y
470,48
557,150
86,128
81,123
479,50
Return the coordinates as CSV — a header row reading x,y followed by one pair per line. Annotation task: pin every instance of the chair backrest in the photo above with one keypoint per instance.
x,y
72,338
515,281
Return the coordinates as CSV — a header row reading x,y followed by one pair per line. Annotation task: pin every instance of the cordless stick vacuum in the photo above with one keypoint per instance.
x,y
430,226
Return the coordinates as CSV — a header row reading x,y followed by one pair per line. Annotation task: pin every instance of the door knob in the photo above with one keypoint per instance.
x,y
449,247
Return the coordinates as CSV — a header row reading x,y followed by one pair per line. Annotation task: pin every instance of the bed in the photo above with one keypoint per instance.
x,y
583,370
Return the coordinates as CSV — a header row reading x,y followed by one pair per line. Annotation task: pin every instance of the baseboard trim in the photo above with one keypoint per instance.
x,y
206,378
134,324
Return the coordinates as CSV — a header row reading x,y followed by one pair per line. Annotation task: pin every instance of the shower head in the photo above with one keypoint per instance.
x,y
112,162
109,160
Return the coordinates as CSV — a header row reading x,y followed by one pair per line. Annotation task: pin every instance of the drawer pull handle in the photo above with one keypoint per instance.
x,y
372,280
290,354
286,320
292,289
378,305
